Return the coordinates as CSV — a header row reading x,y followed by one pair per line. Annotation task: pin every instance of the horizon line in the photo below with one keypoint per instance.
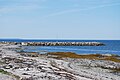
x,y
54,39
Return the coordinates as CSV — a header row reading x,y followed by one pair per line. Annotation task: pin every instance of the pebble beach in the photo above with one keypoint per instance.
x,y
33,66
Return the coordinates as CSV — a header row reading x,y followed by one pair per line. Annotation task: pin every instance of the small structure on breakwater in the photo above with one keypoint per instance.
x,y
62,44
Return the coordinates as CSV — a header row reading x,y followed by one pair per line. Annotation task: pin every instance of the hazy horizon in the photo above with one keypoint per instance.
x,y
51,39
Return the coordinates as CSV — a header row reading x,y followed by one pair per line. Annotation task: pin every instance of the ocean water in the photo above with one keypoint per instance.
x,y
111,46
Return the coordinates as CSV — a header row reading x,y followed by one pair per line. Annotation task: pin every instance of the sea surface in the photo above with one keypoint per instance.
x,y
111,46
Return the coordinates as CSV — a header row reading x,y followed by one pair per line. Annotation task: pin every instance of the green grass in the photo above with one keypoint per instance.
x,y
10,74
4,72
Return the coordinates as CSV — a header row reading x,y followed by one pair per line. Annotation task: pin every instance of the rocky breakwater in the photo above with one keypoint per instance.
x,y
62,44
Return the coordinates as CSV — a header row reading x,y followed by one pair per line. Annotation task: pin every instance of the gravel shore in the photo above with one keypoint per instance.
x,y
20,66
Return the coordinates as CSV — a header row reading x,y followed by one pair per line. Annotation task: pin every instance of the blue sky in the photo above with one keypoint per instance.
x,y
60,19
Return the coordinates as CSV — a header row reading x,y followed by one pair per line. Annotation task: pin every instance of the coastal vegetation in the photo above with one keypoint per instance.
x,y
10,74
86,56
4,72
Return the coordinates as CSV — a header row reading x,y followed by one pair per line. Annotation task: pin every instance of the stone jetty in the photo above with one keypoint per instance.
x,y
55,43
62,44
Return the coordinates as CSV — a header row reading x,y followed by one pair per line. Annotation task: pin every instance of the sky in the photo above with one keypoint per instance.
x,y
60,19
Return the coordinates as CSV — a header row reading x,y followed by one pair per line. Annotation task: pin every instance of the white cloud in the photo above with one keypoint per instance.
x,y
14,8
20,5
84,9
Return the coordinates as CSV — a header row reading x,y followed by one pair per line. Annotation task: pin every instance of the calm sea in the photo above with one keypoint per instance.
x,y
111,46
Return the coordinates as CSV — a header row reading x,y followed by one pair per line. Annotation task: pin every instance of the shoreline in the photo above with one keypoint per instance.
x,y
56,43
49,67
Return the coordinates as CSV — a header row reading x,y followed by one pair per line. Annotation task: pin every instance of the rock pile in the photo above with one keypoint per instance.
x,y
62,44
